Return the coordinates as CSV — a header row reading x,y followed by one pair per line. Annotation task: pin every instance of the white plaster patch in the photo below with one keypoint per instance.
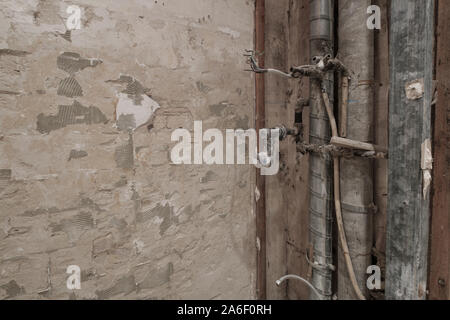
x,y
141,113
415,89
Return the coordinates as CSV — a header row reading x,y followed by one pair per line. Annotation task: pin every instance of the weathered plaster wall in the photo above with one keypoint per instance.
x,y
83,184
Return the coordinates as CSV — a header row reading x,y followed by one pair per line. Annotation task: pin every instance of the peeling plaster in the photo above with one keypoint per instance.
x,y
72,62
70,87
131,116
83,220
135,107
124,155
41,192
12,289
77,154
70,115
133,88
11,52
66,35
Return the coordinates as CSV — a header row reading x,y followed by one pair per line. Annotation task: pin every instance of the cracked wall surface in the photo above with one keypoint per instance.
x,y
85,181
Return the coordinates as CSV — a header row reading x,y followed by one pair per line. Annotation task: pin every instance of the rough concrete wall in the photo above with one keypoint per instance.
x,y
83,184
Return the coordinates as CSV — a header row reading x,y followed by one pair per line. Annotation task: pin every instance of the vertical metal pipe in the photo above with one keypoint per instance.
x,y
356,52
260,123
321,204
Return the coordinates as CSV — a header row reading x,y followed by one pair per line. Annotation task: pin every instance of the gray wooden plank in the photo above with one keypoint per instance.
x,y
411,58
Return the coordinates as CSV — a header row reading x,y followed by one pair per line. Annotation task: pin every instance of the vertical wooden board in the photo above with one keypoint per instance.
x,y
296,188
411,59
260,122
381,134
439,280
276,114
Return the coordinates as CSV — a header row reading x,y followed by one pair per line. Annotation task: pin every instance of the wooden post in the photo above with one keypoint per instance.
x,y
297,191
411,66
277,113
260,115
381,134
440,228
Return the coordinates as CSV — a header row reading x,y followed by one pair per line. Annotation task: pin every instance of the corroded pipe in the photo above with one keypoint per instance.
x,y
321,205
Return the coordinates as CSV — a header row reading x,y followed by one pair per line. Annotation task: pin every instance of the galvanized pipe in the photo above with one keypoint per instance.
x,y
321,204
356,52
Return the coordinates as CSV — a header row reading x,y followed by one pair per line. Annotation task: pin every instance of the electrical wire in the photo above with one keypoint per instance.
x,y
337,200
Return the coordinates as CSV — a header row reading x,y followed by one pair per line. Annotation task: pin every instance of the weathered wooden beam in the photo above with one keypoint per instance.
x,y
440,226
297,172
381,131
260,123
411,66
356,145
276,114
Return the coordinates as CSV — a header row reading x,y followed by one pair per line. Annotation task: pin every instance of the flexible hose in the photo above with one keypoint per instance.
x,y
291,276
